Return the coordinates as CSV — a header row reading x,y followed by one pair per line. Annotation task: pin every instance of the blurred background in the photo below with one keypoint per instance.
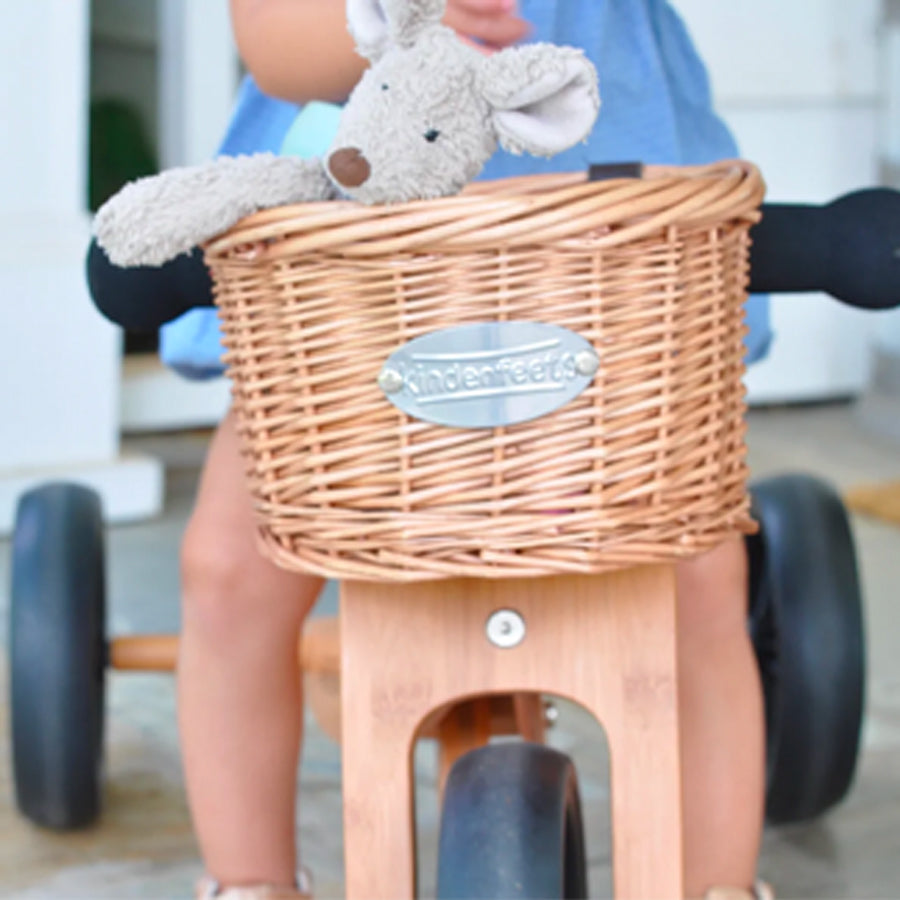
x,y
96,92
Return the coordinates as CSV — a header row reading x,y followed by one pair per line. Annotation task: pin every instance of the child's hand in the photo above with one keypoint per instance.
x,y
488,24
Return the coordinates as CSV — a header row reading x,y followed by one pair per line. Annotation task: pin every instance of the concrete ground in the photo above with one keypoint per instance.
x,y
143,846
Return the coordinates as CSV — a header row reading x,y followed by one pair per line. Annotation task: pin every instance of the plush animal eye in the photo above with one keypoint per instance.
x,y
384,87
432,135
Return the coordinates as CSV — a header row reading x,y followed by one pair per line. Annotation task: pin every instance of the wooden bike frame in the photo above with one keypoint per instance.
x,y
604,641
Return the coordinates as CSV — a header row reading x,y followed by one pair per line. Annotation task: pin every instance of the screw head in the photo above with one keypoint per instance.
x,y
587,362
505,628
390,380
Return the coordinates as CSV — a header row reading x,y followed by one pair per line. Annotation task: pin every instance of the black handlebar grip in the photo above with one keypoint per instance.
x,y
849,248
144,298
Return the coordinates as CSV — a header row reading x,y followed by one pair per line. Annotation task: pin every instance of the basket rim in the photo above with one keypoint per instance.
x,y
562,206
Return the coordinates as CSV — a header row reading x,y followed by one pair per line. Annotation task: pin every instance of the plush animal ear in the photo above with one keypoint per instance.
x,y
375,24
544,98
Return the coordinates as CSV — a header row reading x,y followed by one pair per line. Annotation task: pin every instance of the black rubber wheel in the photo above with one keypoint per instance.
x,y
57,655
511,826
806,620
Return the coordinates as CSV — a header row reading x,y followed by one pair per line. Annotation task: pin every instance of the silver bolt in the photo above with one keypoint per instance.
x,y
587,362
505,628
390,380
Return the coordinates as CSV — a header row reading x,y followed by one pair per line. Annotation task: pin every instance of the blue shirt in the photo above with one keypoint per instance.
x,y
656,108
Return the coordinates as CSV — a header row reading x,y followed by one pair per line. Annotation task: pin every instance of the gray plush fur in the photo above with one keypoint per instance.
x,y
376,25
426,116
154,219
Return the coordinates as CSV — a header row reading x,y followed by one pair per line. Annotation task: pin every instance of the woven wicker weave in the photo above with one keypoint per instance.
x,y
646,465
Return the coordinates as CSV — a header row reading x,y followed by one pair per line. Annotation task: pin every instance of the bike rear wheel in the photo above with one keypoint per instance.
x,y
58,655
807,628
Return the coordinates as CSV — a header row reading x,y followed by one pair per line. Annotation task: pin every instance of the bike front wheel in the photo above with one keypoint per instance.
x,y
511,826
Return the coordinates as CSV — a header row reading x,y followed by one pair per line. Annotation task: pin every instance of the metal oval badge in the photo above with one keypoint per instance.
x,y
488,374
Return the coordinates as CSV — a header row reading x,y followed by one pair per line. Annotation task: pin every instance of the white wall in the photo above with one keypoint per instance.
x,y
59,359
800,85
197,78
58,356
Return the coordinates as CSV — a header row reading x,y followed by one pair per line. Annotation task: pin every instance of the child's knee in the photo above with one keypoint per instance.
x,y
712,593
212,582
229,589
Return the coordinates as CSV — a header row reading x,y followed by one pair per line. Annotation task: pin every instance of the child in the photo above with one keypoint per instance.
x,y
240,709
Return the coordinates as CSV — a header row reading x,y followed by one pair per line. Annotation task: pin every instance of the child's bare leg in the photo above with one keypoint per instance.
x,y
722,743
239,687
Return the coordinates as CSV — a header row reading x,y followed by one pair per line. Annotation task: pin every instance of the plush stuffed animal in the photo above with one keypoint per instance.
x,y
421,123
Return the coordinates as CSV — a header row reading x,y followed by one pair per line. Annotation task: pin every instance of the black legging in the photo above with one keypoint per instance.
x,y
143,298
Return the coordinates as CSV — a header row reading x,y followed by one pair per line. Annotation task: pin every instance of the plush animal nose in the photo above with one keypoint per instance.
x,y
349,167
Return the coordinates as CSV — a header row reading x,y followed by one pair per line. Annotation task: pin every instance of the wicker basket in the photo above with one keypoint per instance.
x,y
646,465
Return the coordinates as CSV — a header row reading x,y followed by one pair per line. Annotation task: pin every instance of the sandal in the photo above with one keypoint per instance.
x,y
759,891
210,889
